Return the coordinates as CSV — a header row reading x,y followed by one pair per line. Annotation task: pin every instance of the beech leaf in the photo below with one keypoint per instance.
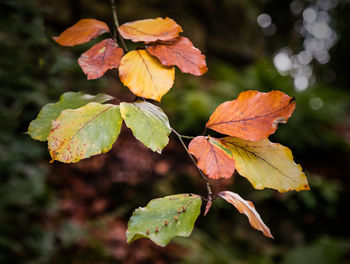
x,y
267,164
253,115
39,128
99,58
145,76
84,132
164,218
148,123
214,158
182,53
247,208
150,30
81,32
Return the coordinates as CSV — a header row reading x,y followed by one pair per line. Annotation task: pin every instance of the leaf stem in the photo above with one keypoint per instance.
x,y
116,23
210,193
205,131
188,137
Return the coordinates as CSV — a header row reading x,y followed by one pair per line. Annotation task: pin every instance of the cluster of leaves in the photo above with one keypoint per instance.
x,y
79,125
149,72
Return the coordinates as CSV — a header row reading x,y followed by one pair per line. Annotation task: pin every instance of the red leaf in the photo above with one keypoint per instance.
x,y
253,115
81,32
247,208
99,58
181,53
213,158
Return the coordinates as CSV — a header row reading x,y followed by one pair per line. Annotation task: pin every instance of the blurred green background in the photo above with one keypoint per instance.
x,y
58,213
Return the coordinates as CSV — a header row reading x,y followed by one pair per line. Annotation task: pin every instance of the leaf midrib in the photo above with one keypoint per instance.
x,y
252,118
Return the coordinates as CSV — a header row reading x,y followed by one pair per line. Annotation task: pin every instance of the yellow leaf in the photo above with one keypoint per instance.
x,y
145,76
267,164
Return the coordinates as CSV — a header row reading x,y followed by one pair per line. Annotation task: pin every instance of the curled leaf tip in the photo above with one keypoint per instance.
x,y
247,208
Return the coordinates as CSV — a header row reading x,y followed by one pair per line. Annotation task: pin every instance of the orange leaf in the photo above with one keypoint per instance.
x,y
247,208
213,157
81,32
181,53
149,30
253,115
99,58
145,76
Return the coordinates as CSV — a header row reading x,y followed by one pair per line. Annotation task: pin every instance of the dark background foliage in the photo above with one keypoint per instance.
x,y
58,213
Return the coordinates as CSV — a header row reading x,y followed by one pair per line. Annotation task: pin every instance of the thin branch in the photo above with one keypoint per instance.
x,y
205,131
115,17
210,193
188,137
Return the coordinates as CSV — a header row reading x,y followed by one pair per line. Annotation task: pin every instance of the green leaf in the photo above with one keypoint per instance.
x,y
84,132
40,127
148,123
164,218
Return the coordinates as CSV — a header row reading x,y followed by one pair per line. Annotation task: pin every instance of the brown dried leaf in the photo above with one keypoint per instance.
x,y
99,58
247,208
150,30
213,157
253,115
81,32
181,53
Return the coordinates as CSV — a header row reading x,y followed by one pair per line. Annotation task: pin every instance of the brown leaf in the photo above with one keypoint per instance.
x,y
99,58
213,157
181,53
253,115
247,208
150,30
81,32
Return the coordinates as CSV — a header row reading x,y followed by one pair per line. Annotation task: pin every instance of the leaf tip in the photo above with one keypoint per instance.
x,y
268,234
207,207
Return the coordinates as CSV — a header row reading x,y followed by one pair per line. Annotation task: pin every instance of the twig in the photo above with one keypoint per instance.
x,y
188,137
115,17
210,193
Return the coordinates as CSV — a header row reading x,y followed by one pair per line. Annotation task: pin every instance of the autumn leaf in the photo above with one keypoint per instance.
x,y
39,128
247,208
99,58
84,132
81,32
148,123
150,30
164,218
266,164
253,115
145,76
214,158
182,53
